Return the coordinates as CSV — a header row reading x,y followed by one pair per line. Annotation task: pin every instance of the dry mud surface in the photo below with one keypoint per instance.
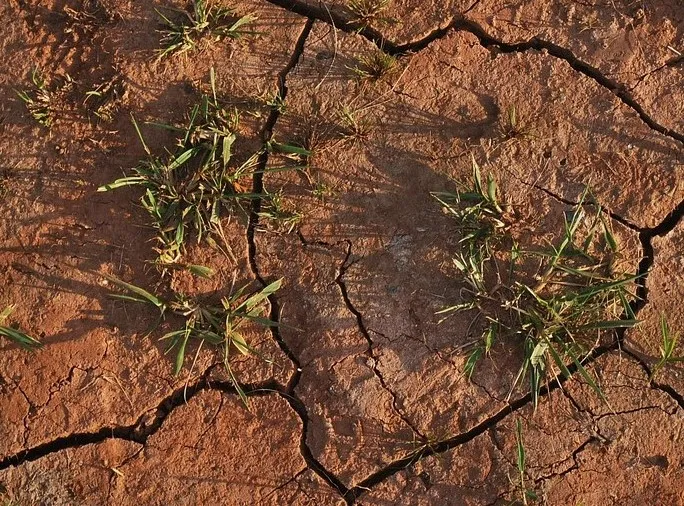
x,y
358,397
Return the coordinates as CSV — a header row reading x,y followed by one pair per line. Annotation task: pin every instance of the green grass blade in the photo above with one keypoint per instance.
x,y
140,136
260,296
147,296
124,181
607,324
20,338
201,271
520,453
180,354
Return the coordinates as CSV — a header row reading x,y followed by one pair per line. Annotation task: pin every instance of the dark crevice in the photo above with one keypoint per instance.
x,y
345,23
141,430
669,222
312,463
258,189
590,441
460,23
287,392
646,237
370,350
663,387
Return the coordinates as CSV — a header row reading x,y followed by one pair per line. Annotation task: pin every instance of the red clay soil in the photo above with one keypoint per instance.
x,y
358,396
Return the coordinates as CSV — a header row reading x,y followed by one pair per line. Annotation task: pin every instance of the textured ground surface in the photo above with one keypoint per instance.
x,y
362,399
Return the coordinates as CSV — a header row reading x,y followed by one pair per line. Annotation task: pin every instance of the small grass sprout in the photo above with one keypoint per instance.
x,y
558,311
521,464
353,125
103,99
274,209
667,349
220,325
513,128
375,65
16,336
184,31
367,11
322,190
38,100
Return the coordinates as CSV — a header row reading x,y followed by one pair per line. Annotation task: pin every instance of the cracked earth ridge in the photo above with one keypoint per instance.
x,y
459,23
646,236
370,351
139,432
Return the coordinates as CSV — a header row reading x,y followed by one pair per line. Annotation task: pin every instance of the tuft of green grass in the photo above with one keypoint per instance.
x,y
322,190
38,100
220,325
275,209
353,125
667,349
367,11
558,311
184,30
16,336
191,188
375,66
480,216
513,128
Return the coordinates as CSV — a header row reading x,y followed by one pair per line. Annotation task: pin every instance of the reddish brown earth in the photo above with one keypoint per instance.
x,y
362,399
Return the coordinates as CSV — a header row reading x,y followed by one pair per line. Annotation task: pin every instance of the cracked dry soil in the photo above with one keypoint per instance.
x,y
362,399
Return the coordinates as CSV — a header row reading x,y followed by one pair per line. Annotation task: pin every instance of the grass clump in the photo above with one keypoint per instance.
x,y
556,302
191,188
103,99
220,325
667,349
353,125
16,336
38,100
204,19
367,11
375,65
